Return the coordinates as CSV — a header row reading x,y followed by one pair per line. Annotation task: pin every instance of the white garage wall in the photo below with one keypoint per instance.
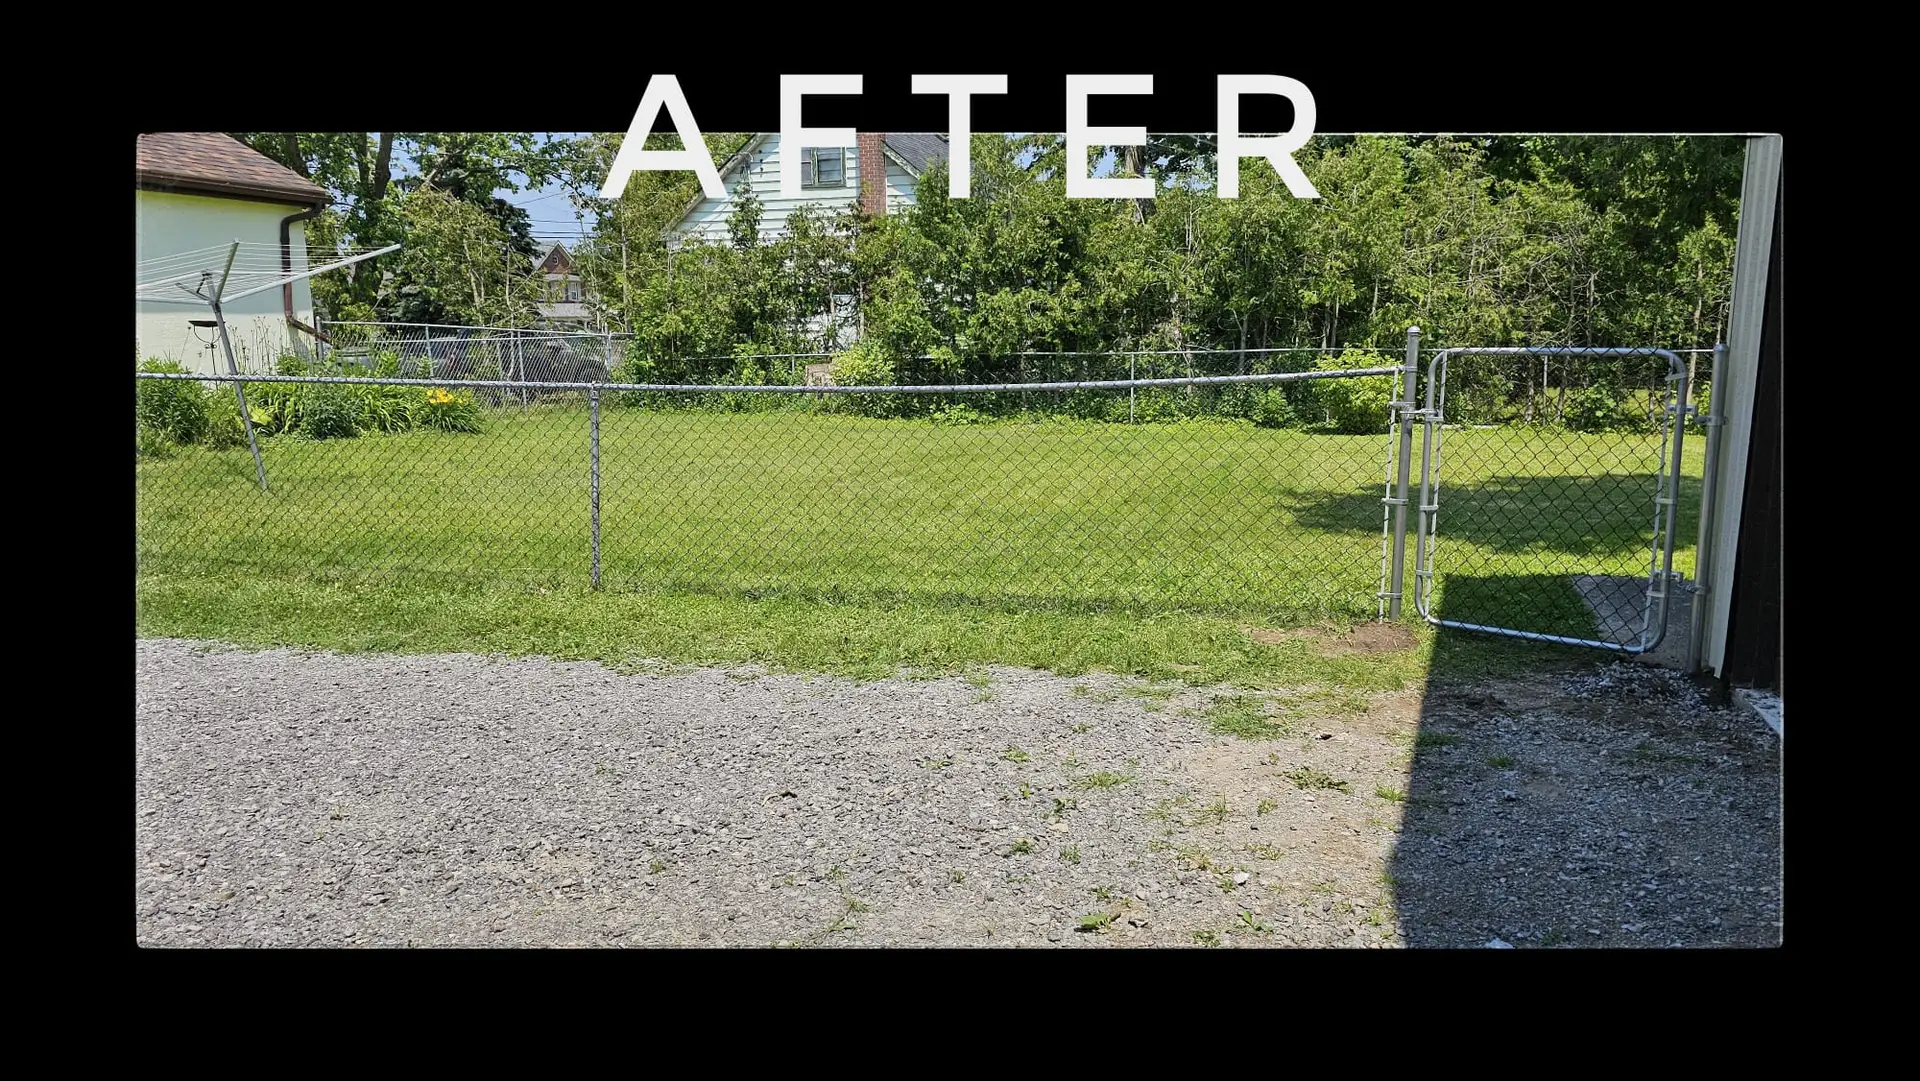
x,y
167,224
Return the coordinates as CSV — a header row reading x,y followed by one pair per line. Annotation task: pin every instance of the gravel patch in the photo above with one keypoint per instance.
x,y
291,798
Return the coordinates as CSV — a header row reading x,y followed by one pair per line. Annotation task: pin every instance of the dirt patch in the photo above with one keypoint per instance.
x,y
1331,642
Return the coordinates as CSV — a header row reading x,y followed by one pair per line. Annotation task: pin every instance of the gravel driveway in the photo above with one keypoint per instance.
x,y
306,799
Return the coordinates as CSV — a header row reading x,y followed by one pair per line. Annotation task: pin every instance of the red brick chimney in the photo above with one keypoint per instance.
x,y
873,172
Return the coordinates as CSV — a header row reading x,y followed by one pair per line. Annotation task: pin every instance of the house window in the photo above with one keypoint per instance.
x,y
824,167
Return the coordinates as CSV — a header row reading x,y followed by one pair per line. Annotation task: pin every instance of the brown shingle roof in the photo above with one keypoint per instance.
x,y
209,163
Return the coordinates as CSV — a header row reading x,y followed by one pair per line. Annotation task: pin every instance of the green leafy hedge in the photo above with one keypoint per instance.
x,y
174,413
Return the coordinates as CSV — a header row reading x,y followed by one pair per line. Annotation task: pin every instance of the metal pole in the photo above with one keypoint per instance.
x,y
240,395
1436,401
1703,548
593,476
609,354
1672,499
233,365
1397,577
1130,390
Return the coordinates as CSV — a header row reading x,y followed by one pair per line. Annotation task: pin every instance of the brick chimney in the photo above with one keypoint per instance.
x,y
873,172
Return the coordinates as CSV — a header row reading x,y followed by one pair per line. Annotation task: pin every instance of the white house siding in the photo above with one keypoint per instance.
x,y
900,187
708,219
167,224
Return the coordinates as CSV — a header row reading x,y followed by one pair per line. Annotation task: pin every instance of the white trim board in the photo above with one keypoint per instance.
x,y
1753,250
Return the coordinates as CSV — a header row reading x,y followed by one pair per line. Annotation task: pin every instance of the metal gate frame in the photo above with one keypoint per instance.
x,y
1653,615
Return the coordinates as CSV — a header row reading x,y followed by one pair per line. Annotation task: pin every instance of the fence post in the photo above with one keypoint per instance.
x,y
1397,577
609,354
1711,420
593,477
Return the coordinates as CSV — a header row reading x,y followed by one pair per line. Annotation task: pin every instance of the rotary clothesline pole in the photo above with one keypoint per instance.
x,y
233,368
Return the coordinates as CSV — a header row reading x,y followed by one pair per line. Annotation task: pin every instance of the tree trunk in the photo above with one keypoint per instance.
x,y
1136,163
295,160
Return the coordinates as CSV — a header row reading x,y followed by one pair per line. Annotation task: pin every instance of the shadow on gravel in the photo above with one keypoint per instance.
x,y
1591,801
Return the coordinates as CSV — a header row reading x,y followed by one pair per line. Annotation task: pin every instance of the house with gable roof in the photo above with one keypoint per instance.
x,y
830,177
199,190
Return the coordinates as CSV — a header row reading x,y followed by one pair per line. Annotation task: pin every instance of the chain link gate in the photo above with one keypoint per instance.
x,y
1537,550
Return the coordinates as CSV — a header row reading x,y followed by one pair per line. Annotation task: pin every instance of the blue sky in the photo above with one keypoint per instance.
x,y
552,212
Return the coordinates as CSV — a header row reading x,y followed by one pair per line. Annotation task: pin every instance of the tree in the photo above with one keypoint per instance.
x,y
458,266
358,169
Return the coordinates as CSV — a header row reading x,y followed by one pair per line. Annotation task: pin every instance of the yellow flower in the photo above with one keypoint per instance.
x,y
439,396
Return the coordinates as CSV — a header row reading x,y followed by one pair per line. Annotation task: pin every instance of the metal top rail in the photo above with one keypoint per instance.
x,y
722,388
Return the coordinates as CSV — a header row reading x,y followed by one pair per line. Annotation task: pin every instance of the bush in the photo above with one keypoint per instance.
x,y
224,429
173,408
1272,409
1356,405
867,364
328,411
447,411
957,413
386,409
1595,409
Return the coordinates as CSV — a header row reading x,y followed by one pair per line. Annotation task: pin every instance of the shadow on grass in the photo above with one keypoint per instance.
x,y
1540,603
1599,516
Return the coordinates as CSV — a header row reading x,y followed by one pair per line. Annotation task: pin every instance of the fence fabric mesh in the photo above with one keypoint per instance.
x,y
1250,488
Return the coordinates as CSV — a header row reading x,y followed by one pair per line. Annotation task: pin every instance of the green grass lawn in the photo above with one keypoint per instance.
x,y
847,544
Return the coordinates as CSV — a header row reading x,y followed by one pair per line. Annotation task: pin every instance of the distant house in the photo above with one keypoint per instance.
x,y
197,190
563,301
832,178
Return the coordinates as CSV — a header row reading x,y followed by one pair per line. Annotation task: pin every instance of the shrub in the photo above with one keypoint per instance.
x,y
1272,409
447,411
174,408
328,411
867,364
957,413
274,407
1356,405
386,409
224,429
1596,409
1155,405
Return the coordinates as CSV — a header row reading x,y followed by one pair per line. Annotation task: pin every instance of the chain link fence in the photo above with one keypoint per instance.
x,y
1257,485
460,353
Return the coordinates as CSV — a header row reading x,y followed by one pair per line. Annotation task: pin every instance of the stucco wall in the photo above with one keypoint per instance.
x,y
167,224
